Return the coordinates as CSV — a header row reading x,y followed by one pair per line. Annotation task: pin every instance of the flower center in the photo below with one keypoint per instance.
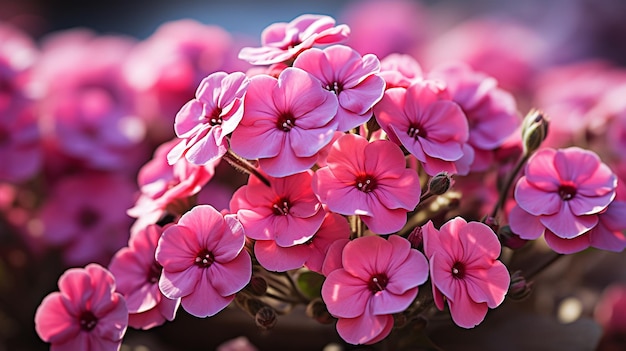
x,y
154,273
415,132
365,183
286,121
335,87
567,192
281,207
87,321
458,270
377,282
215,119
88,218
205,258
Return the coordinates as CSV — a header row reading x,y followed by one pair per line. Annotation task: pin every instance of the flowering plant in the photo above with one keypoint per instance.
x,y
355,171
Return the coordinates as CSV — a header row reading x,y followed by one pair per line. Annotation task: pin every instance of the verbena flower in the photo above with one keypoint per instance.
x,y
369,180
85,314
464,269
203,261
378,277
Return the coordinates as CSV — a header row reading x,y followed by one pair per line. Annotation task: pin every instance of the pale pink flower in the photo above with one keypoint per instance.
x,y
85,314
283,41
286,122
137,273
352,77
310,254
378,278
491,111
204,122
428,124
464,269
287,211
163,185
566,189
84,215
203,261
400,71
369,180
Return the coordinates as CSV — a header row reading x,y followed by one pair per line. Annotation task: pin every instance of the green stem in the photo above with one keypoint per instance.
x,y
243,165
507,186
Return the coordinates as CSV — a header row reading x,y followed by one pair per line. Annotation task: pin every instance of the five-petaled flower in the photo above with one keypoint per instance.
x,y
203,261
464,269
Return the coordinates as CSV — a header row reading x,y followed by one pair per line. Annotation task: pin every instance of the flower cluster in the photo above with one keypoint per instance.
x,y
359,173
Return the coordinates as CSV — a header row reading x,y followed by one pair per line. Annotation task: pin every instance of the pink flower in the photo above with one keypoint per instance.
x,y
464,269
204,122
565,189
310,254
379,277
491,112
351,77
137,273
86,314
610,311
286,122
369,180
400,71
85,215
283,41
203,261
287,212
163,185
430,126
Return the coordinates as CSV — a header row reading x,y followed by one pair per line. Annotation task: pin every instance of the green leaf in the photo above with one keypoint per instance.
x,y
310,284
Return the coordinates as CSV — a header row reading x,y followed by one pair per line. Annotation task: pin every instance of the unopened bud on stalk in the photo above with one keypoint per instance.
x,y
265,318
520,288
534,130
510,239
416,237
440,183
317,310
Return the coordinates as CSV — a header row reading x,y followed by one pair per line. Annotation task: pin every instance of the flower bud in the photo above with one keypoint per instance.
x,y
317,310
440,183
510,239
520,288
534,130
265,318
416,238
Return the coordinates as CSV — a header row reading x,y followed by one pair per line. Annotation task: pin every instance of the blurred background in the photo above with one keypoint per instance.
x,y
128,66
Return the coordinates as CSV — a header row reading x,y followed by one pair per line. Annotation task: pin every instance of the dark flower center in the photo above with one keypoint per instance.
x,y
458,270
365,183
286,121
204,259
415,132
154,273
335,87
281,207
377,282
88,217
567,192
87,321
215,118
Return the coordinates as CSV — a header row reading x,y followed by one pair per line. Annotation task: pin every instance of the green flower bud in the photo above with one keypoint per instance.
x,y
534,130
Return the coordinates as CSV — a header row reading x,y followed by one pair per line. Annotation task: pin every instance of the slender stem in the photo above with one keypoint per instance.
x,y
505,189
243,165
544,265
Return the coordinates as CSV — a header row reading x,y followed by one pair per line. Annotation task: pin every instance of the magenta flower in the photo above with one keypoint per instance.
x,y
491,112
85,314
430,126
287,211
137,273
369,180
464,269
566,189
204,122
283,41
400,71
351,77
203,261
286,122
310,254
379,277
